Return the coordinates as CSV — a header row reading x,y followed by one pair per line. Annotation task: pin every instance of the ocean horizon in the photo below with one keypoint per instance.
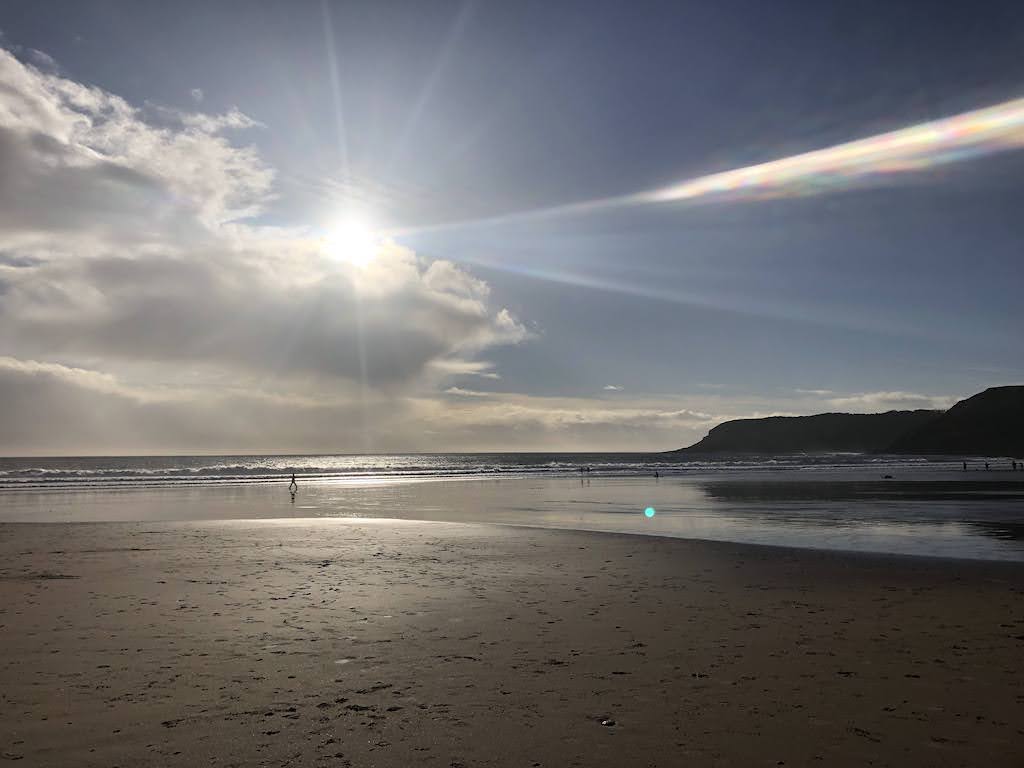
x,y
46,472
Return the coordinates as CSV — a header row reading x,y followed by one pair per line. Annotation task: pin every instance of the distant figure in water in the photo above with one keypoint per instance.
x,y
1014,466
656,474
986,466
965,466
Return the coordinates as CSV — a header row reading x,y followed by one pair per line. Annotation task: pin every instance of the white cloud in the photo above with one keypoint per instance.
x,y
553,413
272,307
78,159
815,392
460,392
130,279
612,388
457,367
871,402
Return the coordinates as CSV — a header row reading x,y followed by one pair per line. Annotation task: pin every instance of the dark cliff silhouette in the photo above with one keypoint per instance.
x,y
825,432
990,423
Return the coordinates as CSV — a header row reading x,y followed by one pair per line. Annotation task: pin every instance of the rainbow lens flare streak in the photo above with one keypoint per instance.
x,y
917,148
865,161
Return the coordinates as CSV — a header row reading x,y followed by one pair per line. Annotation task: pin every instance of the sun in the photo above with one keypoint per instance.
x,y
351,241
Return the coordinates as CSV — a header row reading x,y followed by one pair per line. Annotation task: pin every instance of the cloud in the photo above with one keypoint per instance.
x,y
48,408
892,401
457,367
270,308
460,392
612,388
42,60
57,409
196,94
134,282
77,159
550,413
815,392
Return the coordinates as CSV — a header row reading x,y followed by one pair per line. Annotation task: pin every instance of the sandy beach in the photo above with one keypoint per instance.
x,y
395,643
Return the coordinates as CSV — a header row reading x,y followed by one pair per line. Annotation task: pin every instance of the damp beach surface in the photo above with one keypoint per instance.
x,y
397,642
953,514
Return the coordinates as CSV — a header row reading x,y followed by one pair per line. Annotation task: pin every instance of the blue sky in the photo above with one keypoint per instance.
x,y
633,326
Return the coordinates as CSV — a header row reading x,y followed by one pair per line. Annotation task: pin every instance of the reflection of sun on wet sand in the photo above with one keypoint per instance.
x,y
388,643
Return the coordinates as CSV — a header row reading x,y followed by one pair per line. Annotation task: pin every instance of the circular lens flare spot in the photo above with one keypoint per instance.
x,y
649,512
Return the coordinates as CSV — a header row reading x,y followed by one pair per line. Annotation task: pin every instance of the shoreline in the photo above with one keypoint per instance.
x,y
382,642
725,544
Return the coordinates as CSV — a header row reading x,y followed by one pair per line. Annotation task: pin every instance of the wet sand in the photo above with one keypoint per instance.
x,y
400,643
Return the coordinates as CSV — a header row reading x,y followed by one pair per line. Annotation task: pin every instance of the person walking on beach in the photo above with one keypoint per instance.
x,y
293,486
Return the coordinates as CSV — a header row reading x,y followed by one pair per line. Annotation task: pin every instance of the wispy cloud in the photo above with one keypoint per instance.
x,y
458,367
612,388
460,392
53,408
891,401
42,60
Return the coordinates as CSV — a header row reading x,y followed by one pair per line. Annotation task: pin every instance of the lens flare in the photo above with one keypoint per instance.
x,y
871,160
351,241
916,148
649,512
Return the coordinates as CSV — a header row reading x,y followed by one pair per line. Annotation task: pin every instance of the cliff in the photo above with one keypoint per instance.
x,y
824,432
990,423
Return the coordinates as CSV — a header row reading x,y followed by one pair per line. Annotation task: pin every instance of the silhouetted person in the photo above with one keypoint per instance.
x,y
1015,466
986,466
293,486
965,466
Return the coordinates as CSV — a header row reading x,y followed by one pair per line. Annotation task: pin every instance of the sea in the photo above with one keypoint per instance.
x,y
890,505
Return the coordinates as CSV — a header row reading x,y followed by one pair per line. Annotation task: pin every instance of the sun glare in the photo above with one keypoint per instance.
x,y
352,242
